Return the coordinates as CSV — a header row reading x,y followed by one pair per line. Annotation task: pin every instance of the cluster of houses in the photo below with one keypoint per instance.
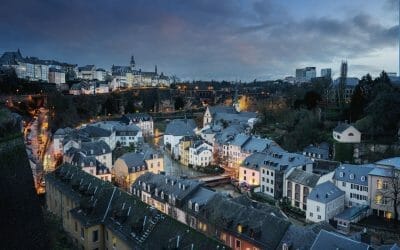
x,y
98,215
342,194
93,80
166,212
91,148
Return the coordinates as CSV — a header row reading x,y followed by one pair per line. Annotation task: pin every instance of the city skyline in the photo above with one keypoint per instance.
x,y
205,40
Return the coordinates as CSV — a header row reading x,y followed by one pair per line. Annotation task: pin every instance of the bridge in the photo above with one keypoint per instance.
x,y
214,180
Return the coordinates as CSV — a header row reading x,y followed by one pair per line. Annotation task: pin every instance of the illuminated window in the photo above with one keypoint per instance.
x,y
378,199
114,241
379,184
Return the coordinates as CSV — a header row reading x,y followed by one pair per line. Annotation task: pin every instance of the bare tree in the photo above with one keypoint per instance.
x,y
391,192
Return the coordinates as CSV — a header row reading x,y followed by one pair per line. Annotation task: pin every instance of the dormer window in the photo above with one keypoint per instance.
x,y
148,187
144,186
190,205
156,192
341,174
362,178
351,176
162,194
196,207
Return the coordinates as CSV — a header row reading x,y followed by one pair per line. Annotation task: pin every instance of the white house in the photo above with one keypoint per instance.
x,y
324,202
99,150
175,131
142,120
346,133
58,138
211,111
100,74
353,180
125,134
96,133
200,154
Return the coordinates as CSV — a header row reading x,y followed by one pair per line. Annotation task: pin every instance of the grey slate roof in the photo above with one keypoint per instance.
x,y
378,171
240,140
302,237
136,117
95,131
325,192
222,109
304,178
134,161
229,133
254,161
351,213
333,241
180,127
394,162
169,185
357,174
256,144
278,159
131,220
259,227
341,127
318,150
95,148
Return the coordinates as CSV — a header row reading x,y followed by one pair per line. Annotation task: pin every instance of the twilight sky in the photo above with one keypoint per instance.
x,y
207,39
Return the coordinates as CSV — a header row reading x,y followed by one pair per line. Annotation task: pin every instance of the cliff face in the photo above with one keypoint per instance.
x,y
21,218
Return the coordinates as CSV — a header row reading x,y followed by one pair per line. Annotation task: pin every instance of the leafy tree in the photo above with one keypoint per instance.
x,y
385,114
311,99
358,103
179,103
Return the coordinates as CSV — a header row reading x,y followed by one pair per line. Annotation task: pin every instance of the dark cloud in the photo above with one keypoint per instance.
x,y
193,39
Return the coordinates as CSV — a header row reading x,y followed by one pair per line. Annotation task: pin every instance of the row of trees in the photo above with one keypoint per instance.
x,y
375,109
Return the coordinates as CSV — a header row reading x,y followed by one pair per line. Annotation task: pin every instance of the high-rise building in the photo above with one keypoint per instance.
x,y
327,73
305,74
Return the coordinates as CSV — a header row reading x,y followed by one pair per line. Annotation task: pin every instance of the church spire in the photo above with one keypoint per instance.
x,y
155,70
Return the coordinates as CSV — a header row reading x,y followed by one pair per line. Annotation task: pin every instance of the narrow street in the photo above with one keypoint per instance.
x,y
37,139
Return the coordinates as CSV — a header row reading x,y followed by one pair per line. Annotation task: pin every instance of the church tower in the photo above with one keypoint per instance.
x,y
132,63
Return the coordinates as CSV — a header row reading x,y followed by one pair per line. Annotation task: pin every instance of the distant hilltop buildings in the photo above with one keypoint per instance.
x,y
51,71
35,69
